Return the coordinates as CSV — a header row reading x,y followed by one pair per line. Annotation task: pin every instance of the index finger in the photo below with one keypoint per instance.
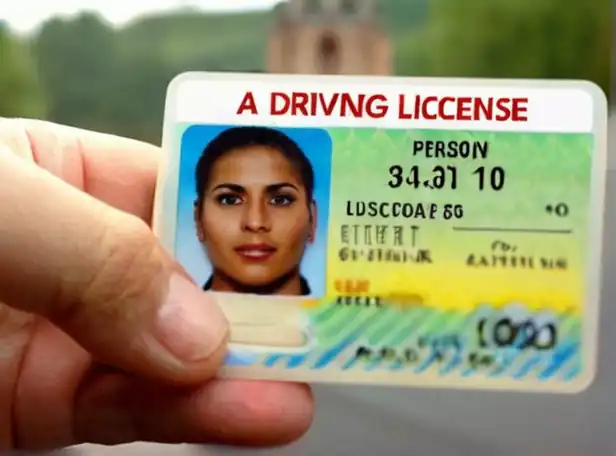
x,y
118,171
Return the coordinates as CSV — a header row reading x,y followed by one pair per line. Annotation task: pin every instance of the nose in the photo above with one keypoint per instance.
x,y
255,217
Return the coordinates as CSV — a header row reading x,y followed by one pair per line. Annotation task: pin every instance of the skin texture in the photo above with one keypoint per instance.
x,y
99,328
256,197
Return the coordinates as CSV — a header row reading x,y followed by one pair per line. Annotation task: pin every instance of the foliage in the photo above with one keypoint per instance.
x,y
189,40
76,62
567,39
20,93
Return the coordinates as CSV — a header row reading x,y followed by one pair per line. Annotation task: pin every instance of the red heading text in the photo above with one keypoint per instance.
x,y
379,106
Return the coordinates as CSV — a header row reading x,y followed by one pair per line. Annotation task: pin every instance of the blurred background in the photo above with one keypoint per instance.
x,y
105,64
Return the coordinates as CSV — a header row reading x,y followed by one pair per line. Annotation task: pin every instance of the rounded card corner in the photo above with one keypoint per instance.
x,y
177,81
584,383
595,91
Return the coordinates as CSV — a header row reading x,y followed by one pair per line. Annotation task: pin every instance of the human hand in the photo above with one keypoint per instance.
x,y
78,259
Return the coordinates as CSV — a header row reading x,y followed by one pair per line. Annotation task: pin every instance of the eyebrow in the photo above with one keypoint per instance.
x,y
272,188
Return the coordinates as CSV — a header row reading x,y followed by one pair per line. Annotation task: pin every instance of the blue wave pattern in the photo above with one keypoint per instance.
x,y
416,340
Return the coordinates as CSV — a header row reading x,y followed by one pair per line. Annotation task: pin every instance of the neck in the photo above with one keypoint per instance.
x,y
289,284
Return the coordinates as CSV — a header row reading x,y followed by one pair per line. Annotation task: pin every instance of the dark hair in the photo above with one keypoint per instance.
x,y
240,137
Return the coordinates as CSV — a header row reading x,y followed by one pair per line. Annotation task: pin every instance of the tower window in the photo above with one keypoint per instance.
x,y
329,55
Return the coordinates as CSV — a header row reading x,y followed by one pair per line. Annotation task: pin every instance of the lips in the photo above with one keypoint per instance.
x,y
255,252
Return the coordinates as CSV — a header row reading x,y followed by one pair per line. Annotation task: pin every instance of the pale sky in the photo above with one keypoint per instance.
x,y
25,15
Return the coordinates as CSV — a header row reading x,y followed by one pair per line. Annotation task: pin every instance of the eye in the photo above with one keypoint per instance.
x,y
229,200
282,200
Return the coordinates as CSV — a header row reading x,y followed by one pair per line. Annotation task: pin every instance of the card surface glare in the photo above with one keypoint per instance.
x,y
404,231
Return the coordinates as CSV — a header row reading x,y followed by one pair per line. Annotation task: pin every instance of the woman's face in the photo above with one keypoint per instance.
x,y
255,219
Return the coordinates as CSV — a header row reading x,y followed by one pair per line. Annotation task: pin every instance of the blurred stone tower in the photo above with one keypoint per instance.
x,y
329,37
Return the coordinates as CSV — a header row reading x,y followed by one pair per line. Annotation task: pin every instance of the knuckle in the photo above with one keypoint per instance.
x,y
13,136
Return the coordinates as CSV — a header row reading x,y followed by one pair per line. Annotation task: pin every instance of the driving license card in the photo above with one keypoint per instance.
x,y
400,231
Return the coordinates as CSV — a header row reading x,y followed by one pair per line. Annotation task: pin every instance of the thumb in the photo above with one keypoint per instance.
x,y
100,275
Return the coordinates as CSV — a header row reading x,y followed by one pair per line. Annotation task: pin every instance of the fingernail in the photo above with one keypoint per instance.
x,y
189,323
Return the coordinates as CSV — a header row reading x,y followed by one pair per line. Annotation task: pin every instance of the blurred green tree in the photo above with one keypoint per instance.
x,y
20,92
513,39
135,100
76,62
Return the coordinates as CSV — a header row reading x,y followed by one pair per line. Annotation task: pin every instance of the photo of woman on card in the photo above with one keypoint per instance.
x,y
255,213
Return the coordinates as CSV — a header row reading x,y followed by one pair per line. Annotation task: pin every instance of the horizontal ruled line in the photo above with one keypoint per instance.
x,y
480,229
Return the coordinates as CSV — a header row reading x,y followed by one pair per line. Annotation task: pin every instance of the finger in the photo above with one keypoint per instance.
x,y
114,409
100,275
50,373
85,405
118,171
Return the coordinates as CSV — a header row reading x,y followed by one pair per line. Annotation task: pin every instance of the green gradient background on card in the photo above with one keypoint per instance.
x,y
541,170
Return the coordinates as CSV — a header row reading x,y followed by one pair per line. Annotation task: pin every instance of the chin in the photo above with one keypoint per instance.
x,y
254,282
254,276
257,283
